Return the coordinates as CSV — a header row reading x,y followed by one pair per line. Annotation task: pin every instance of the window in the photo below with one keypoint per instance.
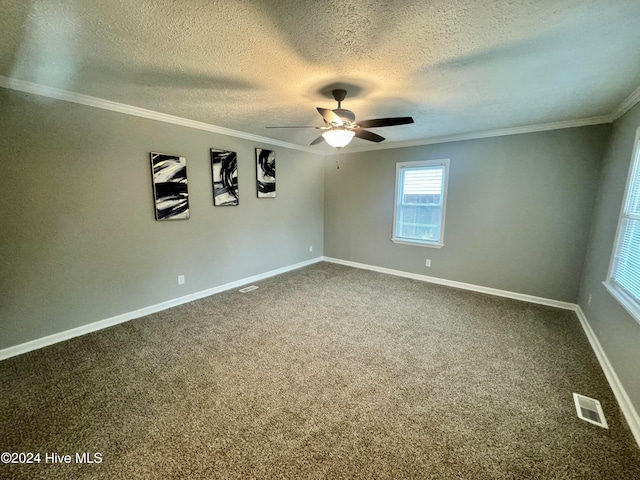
x,y
421,195
623,279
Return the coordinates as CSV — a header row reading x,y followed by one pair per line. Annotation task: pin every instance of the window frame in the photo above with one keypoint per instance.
x,y
628,301
416,164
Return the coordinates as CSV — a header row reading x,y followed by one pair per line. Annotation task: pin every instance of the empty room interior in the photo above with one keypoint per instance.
x,y
320,239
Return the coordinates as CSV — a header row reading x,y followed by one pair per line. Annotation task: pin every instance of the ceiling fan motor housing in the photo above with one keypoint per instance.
x,y
339,95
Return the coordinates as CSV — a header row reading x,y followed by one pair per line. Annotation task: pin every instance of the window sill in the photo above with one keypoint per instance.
x,y
417,243
624,299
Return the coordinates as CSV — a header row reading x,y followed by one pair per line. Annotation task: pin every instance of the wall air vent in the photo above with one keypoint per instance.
x,y
590,410
248,289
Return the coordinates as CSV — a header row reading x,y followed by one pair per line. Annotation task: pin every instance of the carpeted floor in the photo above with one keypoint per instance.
x,y
323,372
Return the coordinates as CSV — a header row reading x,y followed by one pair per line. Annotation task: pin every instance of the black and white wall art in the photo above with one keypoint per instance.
x,y
224,169
266,172
170,186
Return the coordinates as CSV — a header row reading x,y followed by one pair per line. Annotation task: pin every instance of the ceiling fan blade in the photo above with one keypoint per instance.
x,y
318,140
345,115
330,116
365,135
385,122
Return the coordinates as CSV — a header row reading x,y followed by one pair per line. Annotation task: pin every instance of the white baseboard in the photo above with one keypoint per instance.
x,y
628,410
125,317
630,414
453,283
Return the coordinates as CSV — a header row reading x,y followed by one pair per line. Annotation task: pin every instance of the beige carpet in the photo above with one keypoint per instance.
x,y
324,372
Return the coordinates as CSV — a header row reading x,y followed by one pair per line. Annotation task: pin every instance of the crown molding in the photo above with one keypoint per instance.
x,y
582,122
67,96
51,92
626,105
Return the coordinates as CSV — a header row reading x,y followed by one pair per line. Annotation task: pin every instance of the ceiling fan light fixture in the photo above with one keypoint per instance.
x,y
338,137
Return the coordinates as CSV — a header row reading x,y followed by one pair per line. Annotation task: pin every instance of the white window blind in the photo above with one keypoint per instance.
x,y
420,181
624,273
420,202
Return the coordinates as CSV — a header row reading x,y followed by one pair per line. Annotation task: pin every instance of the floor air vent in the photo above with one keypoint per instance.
x,y
248,289
590,410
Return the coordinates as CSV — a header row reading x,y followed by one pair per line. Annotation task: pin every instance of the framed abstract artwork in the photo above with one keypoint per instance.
x,y
266,173
224,171
169,174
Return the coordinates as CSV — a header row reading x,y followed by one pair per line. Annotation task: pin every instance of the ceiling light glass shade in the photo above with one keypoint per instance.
x,y
339,137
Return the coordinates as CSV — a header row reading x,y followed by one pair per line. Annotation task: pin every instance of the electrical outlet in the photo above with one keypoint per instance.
x,y
427,263
180,279
311,248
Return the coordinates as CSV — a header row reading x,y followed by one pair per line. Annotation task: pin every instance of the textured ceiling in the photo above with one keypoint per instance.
x,y
456,66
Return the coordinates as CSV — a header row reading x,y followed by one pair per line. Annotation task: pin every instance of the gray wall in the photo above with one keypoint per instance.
x,y
617,331
79,239
517,216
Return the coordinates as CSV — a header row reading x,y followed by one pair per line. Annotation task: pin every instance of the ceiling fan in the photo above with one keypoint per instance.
x,y
340,125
